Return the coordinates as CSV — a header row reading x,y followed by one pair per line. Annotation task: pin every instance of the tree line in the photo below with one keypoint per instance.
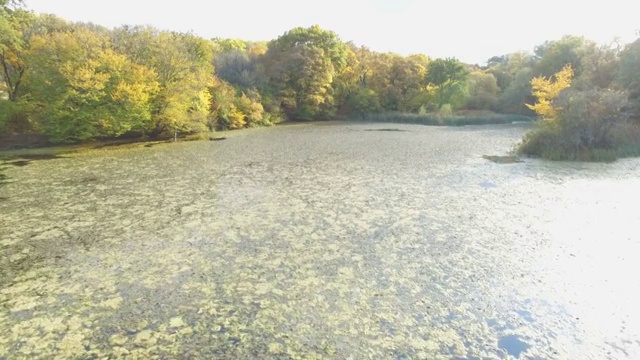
x,y
77,81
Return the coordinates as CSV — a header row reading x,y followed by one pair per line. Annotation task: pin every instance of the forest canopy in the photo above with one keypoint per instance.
x,y
71,82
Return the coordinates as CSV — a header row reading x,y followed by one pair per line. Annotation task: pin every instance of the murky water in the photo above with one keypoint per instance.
x,y
321,241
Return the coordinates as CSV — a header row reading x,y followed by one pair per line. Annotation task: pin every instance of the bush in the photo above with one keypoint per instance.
x,y
588,127
14,118
364,101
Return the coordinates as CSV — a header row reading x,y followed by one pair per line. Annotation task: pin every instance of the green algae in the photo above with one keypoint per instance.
x,y
304,242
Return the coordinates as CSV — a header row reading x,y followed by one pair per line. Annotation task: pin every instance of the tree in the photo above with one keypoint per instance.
x,y
238,68
506,67
483,91
300,66
449,77
228,45
14,67
183,65
584,127
628,75
587,118
345,82
364,101
554,55
599,66
307,93
230,111
12,51
547,90
514,98
81,89
408,85
374,72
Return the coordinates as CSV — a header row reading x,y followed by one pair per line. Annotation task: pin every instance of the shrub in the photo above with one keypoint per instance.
x,y
586,128
587,118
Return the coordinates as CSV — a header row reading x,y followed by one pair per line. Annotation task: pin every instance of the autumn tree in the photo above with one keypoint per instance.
x,y
81,89
301,66
12,50
184,70
547,90
408,84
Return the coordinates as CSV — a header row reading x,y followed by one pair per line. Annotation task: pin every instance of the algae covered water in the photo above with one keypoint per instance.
x,y
320,241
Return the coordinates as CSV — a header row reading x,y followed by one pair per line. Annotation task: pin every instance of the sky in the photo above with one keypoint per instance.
x,y
470,30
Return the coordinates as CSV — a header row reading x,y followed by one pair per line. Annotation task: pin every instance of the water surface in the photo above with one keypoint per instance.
x,y
320,241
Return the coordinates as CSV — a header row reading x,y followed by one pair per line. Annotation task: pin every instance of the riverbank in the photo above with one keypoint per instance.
x,y
479,118
22,142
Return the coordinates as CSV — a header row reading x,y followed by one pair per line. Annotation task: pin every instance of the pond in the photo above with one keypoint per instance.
x,y
320,241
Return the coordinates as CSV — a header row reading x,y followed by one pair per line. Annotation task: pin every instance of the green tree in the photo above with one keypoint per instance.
x,y
483,91
364,101
228,45
628,75
512,100
506,67
449,77
554,55
238,68
599,67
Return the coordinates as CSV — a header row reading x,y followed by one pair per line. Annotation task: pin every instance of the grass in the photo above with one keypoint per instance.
x,y
439,120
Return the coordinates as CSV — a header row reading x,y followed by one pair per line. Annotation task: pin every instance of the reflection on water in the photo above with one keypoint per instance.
x,y
324,241
513,345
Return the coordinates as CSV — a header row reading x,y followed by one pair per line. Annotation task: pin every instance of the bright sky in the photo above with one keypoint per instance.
x,y
470,30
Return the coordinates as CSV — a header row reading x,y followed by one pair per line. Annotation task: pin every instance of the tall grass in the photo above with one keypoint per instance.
x,y
440,120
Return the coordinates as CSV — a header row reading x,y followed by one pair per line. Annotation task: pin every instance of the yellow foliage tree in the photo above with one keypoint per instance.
x,y
546,90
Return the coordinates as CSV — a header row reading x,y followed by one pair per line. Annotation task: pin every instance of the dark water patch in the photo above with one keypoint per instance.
x,y
87,179
488,185
525,315
387,327
492,323
513,345
45,156
18,163
509,159
389,130
4,179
